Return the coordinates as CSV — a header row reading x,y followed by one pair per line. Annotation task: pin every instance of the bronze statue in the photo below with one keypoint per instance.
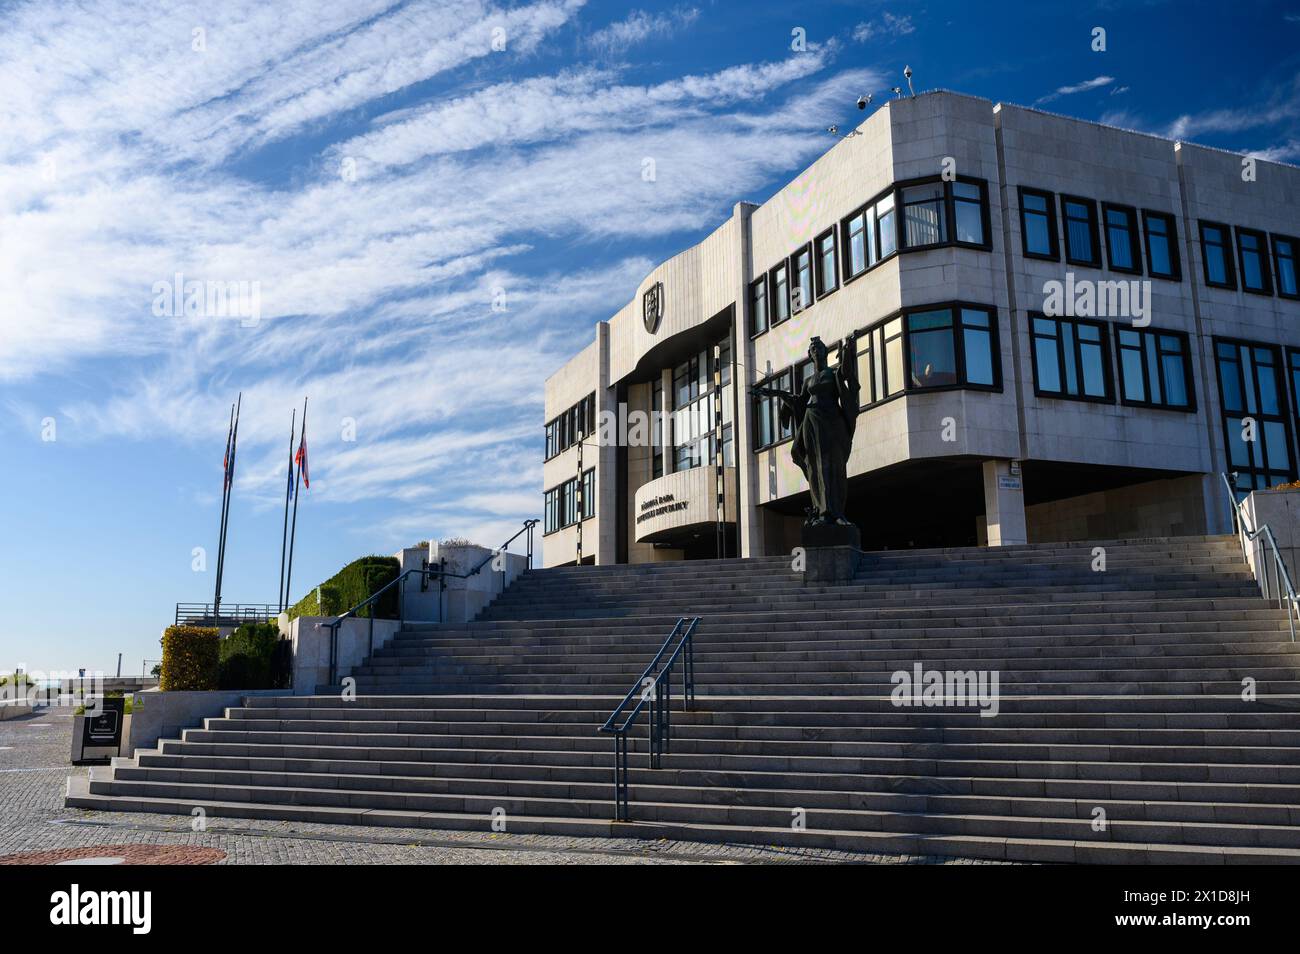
x,y
824,414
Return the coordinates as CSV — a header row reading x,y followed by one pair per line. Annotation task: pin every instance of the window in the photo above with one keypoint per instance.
x,y
1252,258
771,429
924,221
571,426
886,228
779,286
827,275
801,289
970,213
1255,428
560,504
758,317
657,418
856,233
1162,245
1038,225
941,346
1081,245
1155,368
1284,253
1070,358
1216,255
694,442
1122,249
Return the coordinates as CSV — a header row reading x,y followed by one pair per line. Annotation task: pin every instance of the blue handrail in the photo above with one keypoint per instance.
x,y
656,691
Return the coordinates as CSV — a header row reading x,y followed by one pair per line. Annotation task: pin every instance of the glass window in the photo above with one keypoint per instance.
x,y
758,316
892,337
1217,255
780,294
1256,432
1122,239
1253,260
801,289
855,244
923,216
931,349
1155,368
1070,358
827,276
1081,247
1162,245
886,229
657,418
1284,264
1038,224
977,346
968,212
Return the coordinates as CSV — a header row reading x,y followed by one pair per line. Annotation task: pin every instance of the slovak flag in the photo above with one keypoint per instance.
x,y
300,459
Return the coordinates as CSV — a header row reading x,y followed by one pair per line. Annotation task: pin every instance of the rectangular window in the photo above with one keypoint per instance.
x,y
657,418
1162,245
855,232
1155,368
571,426
1252,259
1253,408
886,229
1070,358
981,362
1284,266
1081,244
801,288
560,504
924,220
1216,254
1038,225
827,274
1122,249
758,317
970,213
779,289
932,350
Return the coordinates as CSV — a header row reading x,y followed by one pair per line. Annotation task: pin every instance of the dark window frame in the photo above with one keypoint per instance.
x,y
1294,258
807,297
571,425
556,500
1134,237
760,282
1175,261
1104,347
1053,234
773,297
1262,251
818,262
1143,333
1093,229
1229,255
1283,416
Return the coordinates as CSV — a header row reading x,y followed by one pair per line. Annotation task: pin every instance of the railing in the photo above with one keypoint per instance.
x,y
426,573
1281,590
656,691
229,612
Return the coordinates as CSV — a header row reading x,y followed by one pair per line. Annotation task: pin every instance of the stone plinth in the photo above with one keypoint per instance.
x,y
830,552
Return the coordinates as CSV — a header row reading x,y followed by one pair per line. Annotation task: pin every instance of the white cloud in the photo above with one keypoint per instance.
x,y
1095,83
889,25
640,26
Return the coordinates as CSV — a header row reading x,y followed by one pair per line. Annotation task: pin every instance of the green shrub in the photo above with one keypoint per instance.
x,y
246,656
356,582
191,658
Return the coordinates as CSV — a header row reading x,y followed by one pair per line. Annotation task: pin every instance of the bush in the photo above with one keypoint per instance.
x,y
191,658
357,581
247,655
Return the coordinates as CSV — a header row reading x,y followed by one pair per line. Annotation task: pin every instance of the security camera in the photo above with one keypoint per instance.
x,y
907,74
833,130
896,90
864,101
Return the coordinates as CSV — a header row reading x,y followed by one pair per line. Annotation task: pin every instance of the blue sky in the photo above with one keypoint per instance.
x,y
381,172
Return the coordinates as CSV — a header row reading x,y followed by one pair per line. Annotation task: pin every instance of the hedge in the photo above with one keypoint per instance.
x,y
255,657
191,658
357,581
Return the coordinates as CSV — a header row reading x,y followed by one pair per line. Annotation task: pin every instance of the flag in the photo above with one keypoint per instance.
x,y
300,458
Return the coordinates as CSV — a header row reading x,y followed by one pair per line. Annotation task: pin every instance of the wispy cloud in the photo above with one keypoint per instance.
x,y
889,25
1095,83
640,26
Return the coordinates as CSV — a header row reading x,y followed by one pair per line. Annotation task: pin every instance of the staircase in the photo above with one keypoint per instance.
x,y
1121,734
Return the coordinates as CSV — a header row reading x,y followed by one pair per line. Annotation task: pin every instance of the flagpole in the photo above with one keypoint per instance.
x,y
293,526
288,487
225,519
221,531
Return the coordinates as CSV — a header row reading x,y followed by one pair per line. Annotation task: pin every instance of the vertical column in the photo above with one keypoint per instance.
x,y
748,526
666,446
1004,504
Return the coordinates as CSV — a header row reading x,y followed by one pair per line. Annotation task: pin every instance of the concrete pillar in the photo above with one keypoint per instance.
x,y
1004,504
666,435
748,520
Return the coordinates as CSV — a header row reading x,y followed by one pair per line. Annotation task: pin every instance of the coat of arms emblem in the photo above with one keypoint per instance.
x,y
652,306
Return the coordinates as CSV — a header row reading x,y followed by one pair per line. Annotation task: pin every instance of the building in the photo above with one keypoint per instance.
x,y
1064,330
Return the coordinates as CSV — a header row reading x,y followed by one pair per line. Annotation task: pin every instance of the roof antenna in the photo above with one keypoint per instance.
x,y
907,72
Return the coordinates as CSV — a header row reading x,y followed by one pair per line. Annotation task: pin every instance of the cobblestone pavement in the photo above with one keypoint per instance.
x,y
34,769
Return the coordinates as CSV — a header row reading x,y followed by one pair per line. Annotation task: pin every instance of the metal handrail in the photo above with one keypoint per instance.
x,y
1281,578
426,573
242,612
656,689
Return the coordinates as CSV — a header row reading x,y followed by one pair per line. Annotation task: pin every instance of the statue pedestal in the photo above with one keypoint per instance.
x,y
830,552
